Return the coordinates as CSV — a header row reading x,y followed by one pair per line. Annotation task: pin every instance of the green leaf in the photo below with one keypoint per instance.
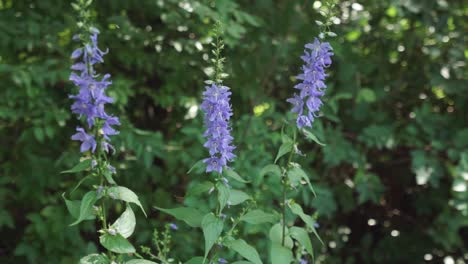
x,y
83,165
200,188
285,148
223,194
302,236
212,227
276,235
124,194
280,254
245,250
197,164
297,173
80,182
73,207
237,197
369,187
125,224
95,259
242,262
297,210
189,215
108,176
311,136
116,243
140,261
258,216
196,260
273,169
366,95
86,207
234,175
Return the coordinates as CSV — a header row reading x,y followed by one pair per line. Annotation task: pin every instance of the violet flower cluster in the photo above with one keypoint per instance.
x,y
317,57
91,98
217,114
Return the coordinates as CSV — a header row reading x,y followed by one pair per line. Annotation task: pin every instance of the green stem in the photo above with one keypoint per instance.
x,y
283,235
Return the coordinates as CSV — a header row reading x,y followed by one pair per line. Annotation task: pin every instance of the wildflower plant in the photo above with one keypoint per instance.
x,y
220,224
95,145
220,227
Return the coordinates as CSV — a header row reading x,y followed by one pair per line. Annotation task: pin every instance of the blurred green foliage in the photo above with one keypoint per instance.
x,y
391,182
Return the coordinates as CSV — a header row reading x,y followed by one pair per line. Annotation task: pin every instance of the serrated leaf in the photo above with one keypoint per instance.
x,y
95,259
125,194
212,227
297,210
140,261
73,207
311,136
296,173
116,243
86,207
125,224
285,148
83,165
237,197
234,175
245,250
258,216
189,215
302,236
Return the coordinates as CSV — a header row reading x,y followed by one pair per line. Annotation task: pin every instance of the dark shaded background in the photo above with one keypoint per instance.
x,y
391,181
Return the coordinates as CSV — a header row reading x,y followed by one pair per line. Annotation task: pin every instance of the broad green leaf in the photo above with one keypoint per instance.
x,y
95,259
83,165
302,236
237,197
125,224
124,194
86,207
116,243
285,148
297,210
200,188
139,261
245,250
296,173
242,262
280,254
74,206
189,215
311,136
273,169
223,194
212,227
234,175
276,236
258,216
196,260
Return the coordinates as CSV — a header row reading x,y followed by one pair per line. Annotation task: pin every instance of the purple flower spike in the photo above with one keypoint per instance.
x,y
91,98
219,140
317,57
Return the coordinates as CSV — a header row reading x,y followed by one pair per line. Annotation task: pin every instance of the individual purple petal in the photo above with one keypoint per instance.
x,y
87,141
